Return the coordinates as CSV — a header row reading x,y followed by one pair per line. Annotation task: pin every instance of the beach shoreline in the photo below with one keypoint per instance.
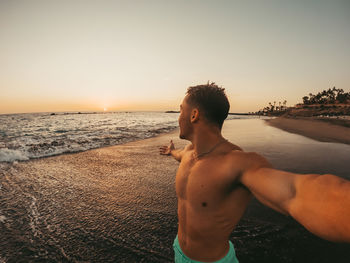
x,y
323,130
118,203
319,129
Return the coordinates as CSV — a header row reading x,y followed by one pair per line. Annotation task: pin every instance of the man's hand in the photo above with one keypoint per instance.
x,y
170,150
166,150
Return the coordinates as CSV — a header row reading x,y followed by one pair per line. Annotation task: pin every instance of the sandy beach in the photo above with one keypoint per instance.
x,y
118,204
324,131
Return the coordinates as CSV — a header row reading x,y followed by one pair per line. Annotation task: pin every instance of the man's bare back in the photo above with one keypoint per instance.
x,y
211,200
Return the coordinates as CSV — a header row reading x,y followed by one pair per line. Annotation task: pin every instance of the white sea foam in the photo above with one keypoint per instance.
x,y
8,155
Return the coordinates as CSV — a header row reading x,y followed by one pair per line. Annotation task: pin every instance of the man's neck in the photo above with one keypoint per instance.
x,y
205,139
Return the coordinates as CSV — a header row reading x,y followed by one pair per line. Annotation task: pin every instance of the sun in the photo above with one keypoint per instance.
x,y
105,109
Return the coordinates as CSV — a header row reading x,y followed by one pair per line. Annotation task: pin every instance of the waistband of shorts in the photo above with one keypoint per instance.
x,y
231,252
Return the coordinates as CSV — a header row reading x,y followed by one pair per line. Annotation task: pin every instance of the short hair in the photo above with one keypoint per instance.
x,y
211,100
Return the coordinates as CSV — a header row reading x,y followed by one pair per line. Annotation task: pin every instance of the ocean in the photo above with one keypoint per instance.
x,y
34,135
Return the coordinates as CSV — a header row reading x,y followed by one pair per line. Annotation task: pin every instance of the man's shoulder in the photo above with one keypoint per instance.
x,y
188,147
186,151
247,160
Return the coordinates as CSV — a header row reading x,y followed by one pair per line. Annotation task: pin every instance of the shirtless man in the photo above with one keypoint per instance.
x,y
216,180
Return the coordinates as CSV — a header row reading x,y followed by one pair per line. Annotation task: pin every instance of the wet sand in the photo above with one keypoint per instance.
x,y
118,204
315,129
102,205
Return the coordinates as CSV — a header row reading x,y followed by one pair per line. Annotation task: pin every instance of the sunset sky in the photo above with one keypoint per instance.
x,y
142,55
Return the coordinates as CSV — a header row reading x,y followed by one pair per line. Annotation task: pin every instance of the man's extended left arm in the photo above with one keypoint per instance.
x,y
321,203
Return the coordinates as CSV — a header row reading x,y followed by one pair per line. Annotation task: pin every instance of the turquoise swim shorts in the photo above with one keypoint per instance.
x,y
180,257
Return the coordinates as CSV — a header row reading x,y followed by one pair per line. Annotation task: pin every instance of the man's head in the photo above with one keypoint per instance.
x,y
206,103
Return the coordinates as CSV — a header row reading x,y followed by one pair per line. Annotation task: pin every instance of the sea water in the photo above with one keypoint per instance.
x,y
34,135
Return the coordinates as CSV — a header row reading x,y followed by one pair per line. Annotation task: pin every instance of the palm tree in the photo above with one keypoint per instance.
x,y
285,104
306,100
312,98
333,95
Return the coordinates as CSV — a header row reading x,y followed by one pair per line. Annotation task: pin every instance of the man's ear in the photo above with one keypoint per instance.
x,y
194,115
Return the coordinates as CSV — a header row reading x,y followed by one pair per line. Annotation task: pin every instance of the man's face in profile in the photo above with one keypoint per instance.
x,y
184,120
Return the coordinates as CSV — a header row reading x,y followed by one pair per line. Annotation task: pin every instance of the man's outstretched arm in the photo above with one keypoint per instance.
x,y
321,203
170,150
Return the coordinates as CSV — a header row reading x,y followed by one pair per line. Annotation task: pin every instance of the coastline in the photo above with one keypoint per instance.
x,y
118,203
323,130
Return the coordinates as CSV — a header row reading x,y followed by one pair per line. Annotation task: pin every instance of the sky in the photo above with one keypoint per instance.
x,y
84,55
